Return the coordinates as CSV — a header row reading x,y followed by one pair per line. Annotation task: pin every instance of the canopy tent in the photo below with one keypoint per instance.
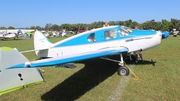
x,y
28,33
13,79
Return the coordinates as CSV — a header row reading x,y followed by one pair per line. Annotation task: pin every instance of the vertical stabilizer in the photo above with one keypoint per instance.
x,y
41,43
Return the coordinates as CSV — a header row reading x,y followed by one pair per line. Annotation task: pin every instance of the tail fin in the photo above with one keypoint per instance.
x,y
41,42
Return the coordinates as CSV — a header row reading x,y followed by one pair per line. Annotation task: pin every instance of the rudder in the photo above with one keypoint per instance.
x,y
41,42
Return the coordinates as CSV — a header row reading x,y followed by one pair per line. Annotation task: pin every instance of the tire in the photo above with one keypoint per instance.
x,y
123,71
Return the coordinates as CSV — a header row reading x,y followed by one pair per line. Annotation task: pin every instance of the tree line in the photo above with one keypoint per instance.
x,y
163,25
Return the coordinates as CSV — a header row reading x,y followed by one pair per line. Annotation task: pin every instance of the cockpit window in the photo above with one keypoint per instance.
x,y
91,38
110,34
124,31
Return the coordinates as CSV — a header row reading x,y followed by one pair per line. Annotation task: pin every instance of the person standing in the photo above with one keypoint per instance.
x,y
138,53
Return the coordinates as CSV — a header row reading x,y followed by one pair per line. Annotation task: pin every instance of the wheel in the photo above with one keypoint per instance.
x,y
123,71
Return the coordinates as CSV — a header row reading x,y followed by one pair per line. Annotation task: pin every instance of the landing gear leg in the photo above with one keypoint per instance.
x,y
122,70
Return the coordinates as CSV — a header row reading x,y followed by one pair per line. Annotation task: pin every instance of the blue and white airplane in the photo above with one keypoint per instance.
x,y
94,43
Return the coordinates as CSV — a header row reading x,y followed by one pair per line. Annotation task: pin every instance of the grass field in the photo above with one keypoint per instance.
x,y
97,80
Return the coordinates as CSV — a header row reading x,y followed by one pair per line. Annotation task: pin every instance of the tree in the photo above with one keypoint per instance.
x,y
55,27
150,24
133,24
2,27
48,27
33,27
127,23
65,26
165,25
27,28
11,27
157,25
112,23
119,22
38,28
175,24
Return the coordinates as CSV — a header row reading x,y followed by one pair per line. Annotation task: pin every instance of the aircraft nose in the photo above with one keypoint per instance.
x,y
165,35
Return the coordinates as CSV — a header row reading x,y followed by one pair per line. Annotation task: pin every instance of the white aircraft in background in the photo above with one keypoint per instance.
x,y
13,33
63,33
94,43
8,36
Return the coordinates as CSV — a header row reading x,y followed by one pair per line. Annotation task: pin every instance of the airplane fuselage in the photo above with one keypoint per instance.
x,y
102,38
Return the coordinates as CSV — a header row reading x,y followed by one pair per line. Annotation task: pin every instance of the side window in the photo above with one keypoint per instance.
x,y
91,38
110,34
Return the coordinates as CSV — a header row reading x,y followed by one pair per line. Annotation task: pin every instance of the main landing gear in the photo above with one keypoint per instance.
x,y
122,70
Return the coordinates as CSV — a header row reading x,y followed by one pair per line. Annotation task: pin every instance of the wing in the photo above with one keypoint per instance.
x,y
71,58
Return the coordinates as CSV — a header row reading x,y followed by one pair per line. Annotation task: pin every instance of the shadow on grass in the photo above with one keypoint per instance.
x,y
145,62
94,72
10,39
140,62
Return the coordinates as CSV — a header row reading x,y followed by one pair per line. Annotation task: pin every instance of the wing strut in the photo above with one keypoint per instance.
x,y
121,62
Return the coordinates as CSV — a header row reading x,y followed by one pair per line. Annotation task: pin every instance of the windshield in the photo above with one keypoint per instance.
x,y
125,30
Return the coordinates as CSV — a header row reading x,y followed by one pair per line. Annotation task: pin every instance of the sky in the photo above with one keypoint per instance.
x,y
26,13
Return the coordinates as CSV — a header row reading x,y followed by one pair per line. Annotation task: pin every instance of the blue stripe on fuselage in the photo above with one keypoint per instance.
x,y
82,39
143,32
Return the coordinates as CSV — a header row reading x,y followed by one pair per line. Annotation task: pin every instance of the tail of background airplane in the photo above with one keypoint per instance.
x,y
41,44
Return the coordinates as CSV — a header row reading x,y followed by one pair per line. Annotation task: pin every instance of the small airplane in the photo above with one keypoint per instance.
x,y
13,34
8,36
100,42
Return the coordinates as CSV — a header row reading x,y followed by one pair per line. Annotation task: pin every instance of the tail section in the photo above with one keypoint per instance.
x,y
41,44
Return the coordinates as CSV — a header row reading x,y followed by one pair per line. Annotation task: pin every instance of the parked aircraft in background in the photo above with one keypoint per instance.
x,y
100,42
13,33
8,36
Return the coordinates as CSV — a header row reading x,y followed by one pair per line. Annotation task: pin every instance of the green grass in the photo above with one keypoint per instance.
x,y
159,82
96,80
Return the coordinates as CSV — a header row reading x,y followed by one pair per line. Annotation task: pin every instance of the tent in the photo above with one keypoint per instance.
x,y
13,79
28,35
